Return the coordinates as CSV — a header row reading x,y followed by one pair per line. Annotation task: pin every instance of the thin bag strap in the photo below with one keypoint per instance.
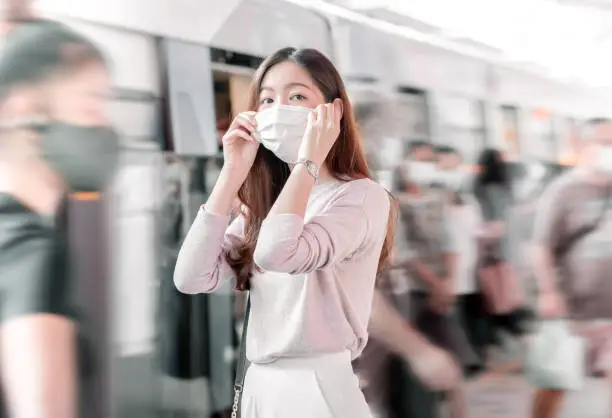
x,y
587,230
241,365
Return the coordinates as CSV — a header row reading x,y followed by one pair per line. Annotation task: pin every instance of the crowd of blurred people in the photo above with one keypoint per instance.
x,y
451,276
471,242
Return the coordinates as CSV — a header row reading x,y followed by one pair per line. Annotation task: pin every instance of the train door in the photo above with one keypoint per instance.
x,y
200,363
136,251
413,116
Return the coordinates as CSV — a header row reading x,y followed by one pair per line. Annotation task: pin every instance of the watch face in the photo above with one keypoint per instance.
x,y
312,168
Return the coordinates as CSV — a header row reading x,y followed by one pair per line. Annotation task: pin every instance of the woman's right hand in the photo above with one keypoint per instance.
x,y
239,144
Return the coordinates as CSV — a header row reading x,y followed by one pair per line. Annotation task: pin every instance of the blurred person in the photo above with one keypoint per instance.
x,y
466,232
403,370
448,158
572,254
430,258
421,151
53,140
451,173
497,276
399,365
528,188
313,234
14,12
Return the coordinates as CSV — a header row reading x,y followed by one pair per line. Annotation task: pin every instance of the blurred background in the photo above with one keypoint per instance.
x,y
520,76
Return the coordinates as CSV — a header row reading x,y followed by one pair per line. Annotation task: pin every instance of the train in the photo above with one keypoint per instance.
x,y
182,68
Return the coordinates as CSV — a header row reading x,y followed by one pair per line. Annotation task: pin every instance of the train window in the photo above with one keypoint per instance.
x,y
231,97
508,119
136,115
189,89
541,138
239,87
461,125
414,115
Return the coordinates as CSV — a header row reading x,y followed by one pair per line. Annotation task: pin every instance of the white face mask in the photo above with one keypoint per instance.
x,y
422,173
281,128
453,180
604,160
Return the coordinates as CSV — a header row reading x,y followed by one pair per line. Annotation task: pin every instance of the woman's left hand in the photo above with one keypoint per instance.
x,y
322,132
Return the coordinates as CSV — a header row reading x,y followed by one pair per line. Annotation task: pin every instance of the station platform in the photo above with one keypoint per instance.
x,y
510,397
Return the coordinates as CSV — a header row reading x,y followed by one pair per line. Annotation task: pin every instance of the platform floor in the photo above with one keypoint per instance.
x,y
510,397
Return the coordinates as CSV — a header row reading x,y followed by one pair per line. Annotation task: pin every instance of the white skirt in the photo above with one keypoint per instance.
x,y
313,387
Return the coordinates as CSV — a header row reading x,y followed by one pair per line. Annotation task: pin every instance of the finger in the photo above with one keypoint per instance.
x,y
251,116
338,111
239,133
315,115
339,108
311,119
331,115
246,122
322,114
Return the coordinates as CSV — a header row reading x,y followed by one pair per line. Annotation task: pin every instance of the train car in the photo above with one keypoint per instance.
x,y
181,70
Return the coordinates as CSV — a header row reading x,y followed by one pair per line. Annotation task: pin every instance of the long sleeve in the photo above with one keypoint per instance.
x,y
287,244
201,264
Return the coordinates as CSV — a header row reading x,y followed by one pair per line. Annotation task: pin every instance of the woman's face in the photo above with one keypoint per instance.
x,y
288,84
81,97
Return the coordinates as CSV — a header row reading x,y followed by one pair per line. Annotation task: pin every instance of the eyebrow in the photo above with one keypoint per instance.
x,y
288,86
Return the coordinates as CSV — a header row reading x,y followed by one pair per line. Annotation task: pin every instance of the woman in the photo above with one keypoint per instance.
x,y
52,140
313,233
501,290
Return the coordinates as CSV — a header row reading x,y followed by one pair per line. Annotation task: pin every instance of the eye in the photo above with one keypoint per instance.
x,y
297,97
266,100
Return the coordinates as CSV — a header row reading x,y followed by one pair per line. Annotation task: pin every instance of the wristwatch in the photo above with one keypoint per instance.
x,y
311,167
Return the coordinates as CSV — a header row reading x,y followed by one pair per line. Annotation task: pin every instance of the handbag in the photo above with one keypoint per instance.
x,y
500,285
556,357
241,365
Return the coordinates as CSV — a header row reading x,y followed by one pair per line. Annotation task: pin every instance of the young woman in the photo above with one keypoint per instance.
x,y
313,232
498,279
52,139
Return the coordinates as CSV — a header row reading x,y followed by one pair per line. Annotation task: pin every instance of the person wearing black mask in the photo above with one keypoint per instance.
x,y
54,140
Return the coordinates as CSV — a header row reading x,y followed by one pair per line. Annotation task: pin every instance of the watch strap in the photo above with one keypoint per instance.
x,y
311,167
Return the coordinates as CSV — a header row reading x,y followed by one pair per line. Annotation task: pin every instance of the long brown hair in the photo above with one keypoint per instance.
x,y
268,175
